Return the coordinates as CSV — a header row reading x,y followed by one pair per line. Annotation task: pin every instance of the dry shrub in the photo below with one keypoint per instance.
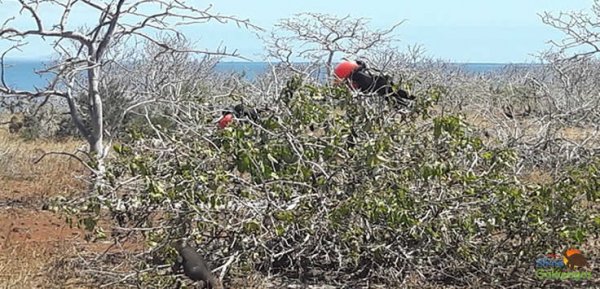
x,y
335,188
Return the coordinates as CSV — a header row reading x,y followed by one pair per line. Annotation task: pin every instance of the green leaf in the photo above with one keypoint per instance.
x,y
89,223
487,156
279,230
244,163
118,148
251,227
285,216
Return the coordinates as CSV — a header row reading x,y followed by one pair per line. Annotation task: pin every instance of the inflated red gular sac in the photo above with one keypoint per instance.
x,y
358,76
225,120
238,111
345,69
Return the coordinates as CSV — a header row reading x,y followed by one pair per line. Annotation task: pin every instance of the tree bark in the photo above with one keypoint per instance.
x,y
329,62
96,140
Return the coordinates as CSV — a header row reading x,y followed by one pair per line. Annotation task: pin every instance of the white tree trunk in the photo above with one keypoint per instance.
x,y
329,63
96,140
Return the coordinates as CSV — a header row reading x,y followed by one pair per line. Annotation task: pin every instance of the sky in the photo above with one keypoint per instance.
x,y
476,31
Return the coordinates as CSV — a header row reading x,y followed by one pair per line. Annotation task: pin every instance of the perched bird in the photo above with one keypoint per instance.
x,y
225,120
238,111
359,77
194,266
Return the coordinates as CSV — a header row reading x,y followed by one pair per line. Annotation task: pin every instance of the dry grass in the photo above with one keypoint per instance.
x,y
21,178
537,177
32,240
579,134
35,245
529,128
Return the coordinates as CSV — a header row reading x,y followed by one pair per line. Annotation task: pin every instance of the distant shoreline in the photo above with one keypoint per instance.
x,y
41,60
19,73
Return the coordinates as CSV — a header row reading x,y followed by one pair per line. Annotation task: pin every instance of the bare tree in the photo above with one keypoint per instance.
x,y
317,38
85,50
582,30
572,74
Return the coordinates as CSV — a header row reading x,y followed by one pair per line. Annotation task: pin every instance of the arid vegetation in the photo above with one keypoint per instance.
x,y
464,187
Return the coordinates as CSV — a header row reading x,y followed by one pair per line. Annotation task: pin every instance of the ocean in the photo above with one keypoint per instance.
x,y
20,74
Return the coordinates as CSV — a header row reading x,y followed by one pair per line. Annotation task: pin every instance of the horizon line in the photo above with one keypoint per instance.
x,y
24,59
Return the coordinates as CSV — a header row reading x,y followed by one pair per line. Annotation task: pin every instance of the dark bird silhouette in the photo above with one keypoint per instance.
x,y
364,80
194,266
15,125
510,112
242,111
238,111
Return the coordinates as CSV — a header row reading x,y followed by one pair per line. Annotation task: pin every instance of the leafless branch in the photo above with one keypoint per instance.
x,y
318,38
88,50
580,28
74,156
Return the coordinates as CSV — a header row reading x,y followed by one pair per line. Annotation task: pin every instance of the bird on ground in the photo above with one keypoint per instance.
x,y
194,266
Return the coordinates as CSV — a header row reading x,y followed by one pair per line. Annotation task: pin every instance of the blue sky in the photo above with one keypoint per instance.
x,y
463,31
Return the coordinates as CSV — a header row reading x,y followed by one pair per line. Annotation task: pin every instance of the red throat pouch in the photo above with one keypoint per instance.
x,y
225,120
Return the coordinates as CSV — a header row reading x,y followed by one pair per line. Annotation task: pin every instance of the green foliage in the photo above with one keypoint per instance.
x,y
333,177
